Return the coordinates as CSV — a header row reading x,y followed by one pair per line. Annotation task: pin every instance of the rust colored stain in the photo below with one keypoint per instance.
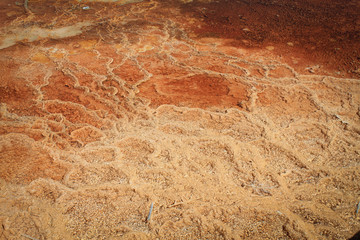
x,y
129,72
303,32
196,91
22,161
12,87
198,85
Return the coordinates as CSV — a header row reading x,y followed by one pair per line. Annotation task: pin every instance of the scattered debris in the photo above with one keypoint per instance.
x,y
27,10
149,216
27,236
342,121
312,69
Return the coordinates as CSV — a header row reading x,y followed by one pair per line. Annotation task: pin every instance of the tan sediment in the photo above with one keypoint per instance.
x,y
227,142
32,34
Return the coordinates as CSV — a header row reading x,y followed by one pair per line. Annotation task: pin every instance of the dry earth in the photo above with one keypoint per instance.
x,y
237,119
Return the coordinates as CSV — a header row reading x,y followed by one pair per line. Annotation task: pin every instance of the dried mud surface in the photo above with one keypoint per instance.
x,y
237,119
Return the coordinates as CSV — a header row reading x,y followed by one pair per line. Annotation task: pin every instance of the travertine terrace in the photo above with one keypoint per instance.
x,y
236,119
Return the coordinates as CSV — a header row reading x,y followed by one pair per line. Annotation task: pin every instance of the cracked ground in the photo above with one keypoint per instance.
x,y
236,119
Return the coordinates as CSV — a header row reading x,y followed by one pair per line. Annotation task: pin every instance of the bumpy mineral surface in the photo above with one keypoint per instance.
x,y
236,119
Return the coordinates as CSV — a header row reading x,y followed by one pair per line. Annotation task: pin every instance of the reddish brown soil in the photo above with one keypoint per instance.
x,y
308,32
237,119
